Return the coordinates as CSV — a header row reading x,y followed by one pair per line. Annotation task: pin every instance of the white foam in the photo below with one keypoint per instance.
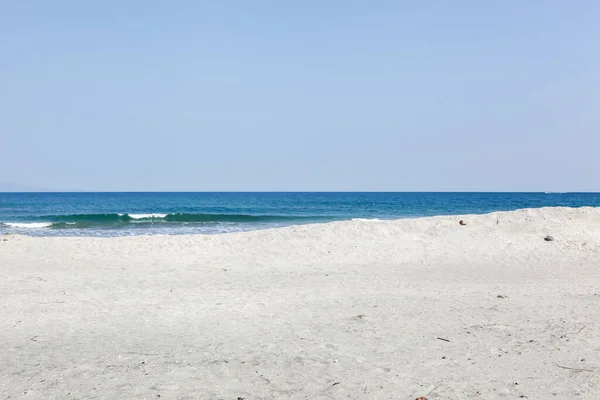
x,y
28,224
147,216
366,220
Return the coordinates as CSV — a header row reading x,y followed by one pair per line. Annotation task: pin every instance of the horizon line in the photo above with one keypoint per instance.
x,y
292,191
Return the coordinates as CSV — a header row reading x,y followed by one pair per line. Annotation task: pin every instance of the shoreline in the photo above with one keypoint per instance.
x,y
435,218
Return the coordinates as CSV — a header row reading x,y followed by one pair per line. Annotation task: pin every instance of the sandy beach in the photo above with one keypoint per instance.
x,y
344,310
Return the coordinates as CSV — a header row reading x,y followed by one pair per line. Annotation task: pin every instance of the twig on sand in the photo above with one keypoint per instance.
x,y
431,391
141,354
575,333
445,340
574,369
564,335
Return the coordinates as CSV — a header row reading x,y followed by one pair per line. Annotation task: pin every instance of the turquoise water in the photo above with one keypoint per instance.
x,y
123,214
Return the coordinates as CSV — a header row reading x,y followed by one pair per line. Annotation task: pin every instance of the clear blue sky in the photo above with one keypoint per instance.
x,y
304,95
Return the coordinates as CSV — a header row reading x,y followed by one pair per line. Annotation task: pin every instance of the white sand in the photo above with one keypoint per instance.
x,y
348,310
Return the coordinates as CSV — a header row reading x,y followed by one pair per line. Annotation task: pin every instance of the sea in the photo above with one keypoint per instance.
x,y
127,214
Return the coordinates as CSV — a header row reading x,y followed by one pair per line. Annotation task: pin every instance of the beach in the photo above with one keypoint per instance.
x,y
363,309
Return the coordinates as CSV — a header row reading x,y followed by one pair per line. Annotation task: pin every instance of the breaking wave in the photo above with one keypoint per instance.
x,y
80,221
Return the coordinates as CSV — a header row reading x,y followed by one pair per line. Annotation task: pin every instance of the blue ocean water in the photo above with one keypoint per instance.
x,y
123,214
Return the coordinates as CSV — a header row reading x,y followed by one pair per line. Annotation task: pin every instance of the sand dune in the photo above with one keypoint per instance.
x,y
344,310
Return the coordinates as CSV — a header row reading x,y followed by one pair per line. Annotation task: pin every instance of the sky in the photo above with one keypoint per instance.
x,y
300,95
